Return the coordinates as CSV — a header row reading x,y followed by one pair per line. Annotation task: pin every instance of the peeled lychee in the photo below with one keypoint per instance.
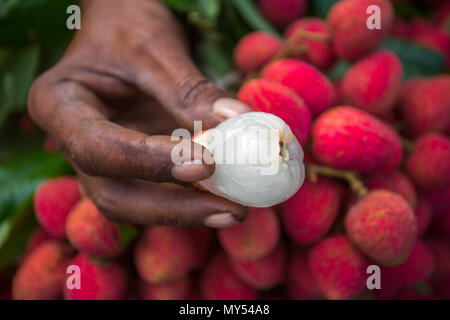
x,y
348,138
271,97
254,50
425,104
178,289
373,84
309,40
306,81
90,232
99,280
429,164
264,273
348,21
163,254
282,12
310,213
53,201
219,282
253,239
383,226
397,182
41,274
338,268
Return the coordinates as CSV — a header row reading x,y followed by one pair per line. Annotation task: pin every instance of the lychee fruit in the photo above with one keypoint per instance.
x,y
348,138
220,282
203,240
383,226
253,239
424,215
38,237
307,82
425,104
53,201
373,84
178,289
301,283
42,272
339,269
429,164
282,12
310,213
271,97
255,50
90,232
396,181
441,224
265,273
99,280
418,267
348,21
440,249
163,253
309,40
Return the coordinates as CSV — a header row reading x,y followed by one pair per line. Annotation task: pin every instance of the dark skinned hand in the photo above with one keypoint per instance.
x,y
124,84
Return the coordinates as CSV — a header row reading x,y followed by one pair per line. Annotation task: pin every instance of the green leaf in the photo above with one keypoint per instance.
x,y
339,69
320,8
20,177
417,60
127,235
213,59
182,5
251,15
209,9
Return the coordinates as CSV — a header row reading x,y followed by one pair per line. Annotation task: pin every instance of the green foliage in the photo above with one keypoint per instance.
x,y
416,59
320,8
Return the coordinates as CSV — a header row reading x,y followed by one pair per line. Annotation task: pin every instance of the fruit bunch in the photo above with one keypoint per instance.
x,y
377,191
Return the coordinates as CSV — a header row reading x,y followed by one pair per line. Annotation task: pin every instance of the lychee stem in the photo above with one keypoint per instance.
x,y
352,178
408,145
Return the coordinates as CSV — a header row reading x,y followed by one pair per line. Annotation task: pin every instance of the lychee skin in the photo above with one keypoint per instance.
x,y
373,84
219,282
265,273
441,224
338,268
310,40
272,97
90,232
309,214
348,138
383,226
418,267
301,283
253,239
429,164
203,239
440,249
38,237
163,254
42,272
397,182
100,280
282,12
307,82
348,19
178,289
425,104
255,50
53,201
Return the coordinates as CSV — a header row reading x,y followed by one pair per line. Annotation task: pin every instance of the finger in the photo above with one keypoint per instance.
x,y
148,203
72,114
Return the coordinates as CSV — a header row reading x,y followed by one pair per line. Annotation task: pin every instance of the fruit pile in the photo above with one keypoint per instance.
x,y
377,152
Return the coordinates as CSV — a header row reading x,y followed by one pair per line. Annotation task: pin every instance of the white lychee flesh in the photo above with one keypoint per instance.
x,y
258,161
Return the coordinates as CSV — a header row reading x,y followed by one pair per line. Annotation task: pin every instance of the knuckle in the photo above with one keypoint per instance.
x,y
190,88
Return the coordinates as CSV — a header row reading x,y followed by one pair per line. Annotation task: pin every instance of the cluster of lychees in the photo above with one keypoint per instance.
x,y
371,126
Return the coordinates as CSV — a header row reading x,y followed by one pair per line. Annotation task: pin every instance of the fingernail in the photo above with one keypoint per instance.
x,y
227,107
221,220
190,171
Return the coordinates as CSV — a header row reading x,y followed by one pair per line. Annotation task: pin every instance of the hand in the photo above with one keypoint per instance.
x,y
125,82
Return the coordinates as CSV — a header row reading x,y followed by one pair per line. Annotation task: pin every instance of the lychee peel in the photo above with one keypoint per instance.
x,y
282,12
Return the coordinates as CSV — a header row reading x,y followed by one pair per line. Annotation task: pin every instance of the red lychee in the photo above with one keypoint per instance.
x,y
53,201
178,289
383,226
253,239
309,214
348,138
269,96
282,12
306,81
